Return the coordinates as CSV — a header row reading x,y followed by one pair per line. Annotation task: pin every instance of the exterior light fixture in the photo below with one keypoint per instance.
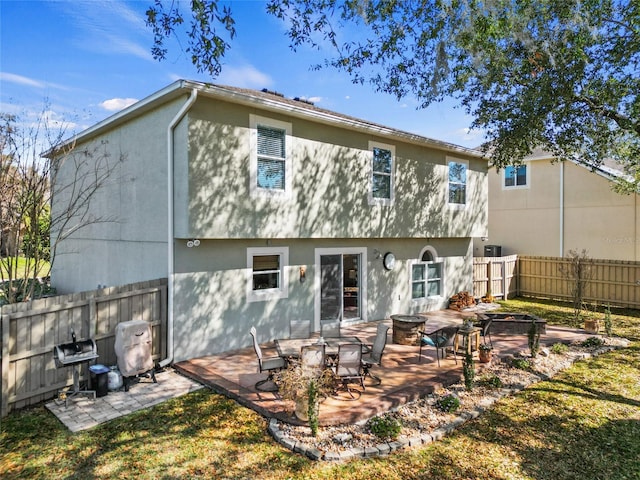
x,y
303,274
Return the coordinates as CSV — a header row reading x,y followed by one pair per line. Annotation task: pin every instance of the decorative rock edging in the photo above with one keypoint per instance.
x,y
386,448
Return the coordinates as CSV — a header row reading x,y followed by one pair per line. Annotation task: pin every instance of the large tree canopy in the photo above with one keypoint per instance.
x,y
563,76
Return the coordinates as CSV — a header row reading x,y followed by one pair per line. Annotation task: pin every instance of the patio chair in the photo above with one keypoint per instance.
x,y
330,329
269,364
439,339
349,368
485,325
374,356
312,359
299,328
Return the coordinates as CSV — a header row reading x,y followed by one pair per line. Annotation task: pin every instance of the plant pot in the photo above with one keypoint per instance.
x,y
592,325
484,356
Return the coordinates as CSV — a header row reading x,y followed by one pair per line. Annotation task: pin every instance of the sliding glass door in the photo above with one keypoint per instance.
x,y
340,284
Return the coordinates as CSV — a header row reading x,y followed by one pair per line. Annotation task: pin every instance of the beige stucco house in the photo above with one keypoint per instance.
x,y
547,208
261,209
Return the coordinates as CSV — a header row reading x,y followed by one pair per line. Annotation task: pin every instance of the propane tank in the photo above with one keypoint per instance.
x,y
114,379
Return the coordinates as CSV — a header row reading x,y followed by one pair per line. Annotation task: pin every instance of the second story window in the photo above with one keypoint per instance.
x,y
515,176
457,182
381,174
270,157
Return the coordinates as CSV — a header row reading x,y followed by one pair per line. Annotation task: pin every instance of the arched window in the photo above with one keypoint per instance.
x,y
426,275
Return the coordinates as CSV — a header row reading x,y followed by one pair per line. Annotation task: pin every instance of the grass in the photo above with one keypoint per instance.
x,y
22,267
582,424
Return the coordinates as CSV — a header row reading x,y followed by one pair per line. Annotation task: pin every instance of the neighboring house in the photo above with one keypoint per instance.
x,y
547,209
261,209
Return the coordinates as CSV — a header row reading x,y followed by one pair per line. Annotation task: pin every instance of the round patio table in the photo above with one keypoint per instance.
x,y
406,328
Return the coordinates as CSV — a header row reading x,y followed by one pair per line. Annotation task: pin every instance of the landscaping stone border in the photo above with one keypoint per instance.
x,y
386,448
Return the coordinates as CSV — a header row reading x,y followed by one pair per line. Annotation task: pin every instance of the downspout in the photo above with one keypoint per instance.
x,y
561,209
170,207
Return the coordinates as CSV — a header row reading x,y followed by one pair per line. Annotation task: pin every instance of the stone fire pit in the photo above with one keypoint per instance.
x,y
513,323
406,328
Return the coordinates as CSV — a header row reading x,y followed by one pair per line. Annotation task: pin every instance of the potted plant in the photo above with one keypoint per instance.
x,y
305,387
485,353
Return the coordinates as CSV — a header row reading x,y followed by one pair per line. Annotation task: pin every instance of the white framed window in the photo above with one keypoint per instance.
x,y
382,173
457,172
515,176
267,274
271,168
426,275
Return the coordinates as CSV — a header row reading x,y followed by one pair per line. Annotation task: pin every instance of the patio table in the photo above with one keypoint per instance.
x,y
290,347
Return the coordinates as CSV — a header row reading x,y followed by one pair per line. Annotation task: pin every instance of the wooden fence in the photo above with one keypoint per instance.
x,y
495,275
613,282
30,330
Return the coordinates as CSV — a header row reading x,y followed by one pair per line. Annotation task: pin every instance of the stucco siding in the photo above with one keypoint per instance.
x,y
212,313
330,184
537,220
126,239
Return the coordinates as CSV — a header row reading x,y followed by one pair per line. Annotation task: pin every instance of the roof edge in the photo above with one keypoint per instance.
x,y
180,87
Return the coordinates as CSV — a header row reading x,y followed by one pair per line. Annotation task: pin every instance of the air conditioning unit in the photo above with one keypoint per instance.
x,y
492,251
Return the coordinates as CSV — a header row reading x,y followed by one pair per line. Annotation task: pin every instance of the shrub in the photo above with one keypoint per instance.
x,y
492,381
608,323
469,371
521,363
559,348
593,342
385,427
449,403
534,339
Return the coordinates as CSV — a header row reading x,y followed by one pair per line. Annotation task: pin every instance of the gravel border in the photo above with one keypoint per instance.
x,y
386,448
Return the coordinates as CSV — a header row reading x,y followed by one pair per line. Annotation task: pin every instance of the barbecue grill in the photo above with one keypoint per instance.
x,y
133,349
74,354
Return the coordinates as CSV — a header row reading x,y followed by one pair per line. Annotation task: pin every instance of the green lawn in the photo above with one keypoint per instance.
x,y
582,424
22,267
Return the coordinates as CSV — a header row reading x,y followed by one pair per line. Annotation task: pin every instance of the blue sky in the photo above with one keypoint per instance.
x,y
88,59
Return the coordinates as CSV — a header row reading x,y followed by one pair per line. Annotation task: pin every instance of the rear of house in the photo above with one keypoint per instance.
x,y
261,210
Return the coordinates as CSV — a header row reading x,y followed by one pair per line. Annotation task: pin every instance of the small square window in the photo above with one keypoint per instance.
x,y
267,273
515,176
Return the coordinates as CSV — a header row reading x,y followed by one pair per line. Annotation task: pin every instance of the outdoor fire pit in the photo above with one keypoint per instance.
x,y
406,328
513,323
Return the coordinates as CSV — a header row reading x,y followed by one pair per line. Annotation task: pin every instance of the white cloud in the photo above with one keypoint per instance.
x,y
28,82
110,27
315,99
117,104
19,79
245,76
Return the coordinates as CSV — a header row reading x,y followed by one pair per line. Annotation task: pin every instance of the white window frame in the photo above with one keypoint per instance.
x,y
270,293
254,122
516,187
376,200
437,260
317,280
466,182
